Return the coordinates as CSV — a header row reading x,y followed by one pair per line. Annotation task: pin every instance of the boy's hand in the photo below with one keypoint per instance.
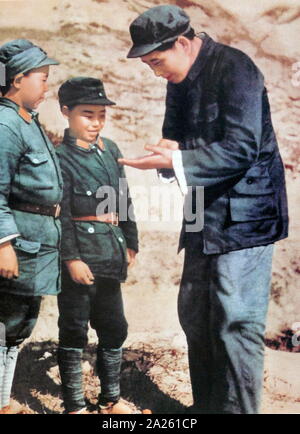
x,y
80,272
8,261
131,257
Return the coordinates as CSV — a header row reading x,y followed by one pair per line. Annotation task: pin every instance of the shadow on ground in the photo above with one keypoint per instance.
x,y
37,383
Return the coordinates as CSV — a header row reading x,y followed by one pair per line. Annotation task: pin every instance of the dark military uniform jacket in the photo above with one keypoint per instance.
x,y
92,176
29,173
220,115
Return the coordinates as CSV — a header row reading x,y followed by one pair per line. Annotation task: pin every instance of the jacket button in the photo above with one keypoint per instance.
x,y
120,239
250,181
35,160
89,193
91,230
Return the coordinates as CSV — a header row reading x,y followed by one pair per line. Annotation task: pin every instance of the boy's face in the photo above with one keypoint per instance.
x,y
173,64
33,87
85,121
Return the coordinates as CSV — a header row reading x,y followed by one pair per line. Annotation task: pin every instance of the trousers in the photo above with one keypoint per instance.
x,y
222,307
102,305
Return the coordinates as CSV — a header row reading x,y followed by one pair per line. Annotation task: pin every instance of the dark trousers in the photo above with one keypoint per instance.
x,y
102,305
222,305
19,315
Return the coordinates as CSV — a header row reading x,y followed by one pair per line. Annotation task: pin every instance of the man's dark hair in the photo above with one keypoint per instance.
x,y
164,47
9,82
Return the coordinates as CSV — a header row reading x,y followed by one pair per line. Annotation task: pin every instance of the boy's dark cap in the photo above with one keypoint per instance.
x,y
20,56
155,27
83,90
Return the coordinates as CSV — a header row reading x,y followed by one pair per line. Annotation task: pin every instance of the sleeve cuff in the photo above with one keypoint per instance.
x,y
8,238
179,171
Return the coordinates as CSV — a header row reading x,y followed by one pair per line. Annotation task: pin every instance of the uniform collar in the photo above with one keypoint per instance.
x,y
26,115
73,141
208,45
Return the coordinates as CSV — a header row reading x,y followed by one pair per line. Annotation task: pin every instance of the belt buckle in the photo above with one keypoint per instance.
x,y
57,210
115,219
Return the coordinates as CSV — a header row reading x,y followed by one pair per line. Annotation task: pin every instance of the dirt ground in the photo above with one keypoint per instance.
x,y
90,37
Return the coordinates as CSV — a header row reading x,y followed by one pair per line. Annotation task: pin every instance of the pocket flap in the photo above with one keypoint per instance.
x,y
90,228
36,158
86,190
27,246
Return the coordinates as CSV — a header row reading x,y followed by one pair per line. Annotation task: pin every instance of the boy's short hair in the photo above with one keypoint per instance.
x,y
82,90
20,56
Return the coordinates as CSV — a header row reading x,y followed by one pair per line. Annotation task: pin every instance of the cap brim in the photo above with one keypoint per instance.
x,y
98,101
46,62
142,50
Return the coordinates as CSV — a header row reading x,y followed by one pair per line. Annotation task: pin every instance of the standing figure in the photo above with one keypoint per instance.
x,y
96,246
30,191
218,134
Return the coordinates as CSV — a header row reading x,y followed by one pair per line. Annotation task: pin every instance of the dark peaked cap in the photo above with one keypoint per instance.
x,y
157,26
83,90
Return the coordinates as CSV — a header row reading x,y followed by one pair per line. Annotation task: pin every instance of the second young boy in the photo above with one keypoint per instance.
x,y
96,247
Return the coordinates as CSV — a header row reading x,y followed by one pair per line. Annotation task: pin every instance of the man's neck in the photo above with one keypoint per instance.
x,y
196,47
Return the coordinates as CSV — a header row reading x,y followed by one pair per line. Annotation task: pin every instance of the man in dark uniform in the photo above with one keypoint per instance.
x,y
218,134
30,190
96,246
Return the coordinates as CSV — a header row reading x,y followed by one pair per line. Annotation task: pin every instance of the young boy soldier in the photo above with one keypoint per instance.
x,y
30,190
218,118
95,247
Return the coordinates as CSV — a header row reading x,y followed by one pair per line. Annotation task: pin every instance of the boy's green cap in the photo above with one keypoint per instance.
x,y
157,26
83,90
20,56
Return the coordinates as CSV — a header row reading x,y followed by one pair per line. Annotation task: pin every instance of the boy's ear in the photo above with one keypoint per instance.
x,y
65,111
17,81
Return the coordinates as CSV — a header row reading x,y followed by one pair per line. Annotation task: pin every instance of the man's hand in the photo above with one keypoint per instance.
x,y
160,158
8,261
80,272
131,257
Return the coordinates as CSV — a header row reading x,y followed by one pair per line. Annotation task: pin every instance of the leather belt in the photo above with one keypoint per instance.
x,y
111,218
49,210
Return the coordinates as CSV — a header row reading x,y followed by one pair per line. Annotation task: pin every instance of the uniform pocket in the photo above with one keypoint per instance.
x,y
36,172
27,254
243,209
101,244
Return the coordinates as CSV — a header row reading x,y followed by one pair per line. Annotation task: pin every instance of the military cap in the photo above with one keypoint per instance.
x,y
157,26
20,56
83,90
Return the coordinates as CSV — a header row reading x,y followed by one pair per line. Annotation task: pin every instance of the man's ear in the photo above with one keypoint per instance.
x,y
65,111
185,43
17,81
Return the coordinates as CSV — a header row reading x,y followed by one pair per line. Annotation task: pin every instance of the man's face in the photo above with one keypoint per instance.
x,y
33,87
85,121
173,64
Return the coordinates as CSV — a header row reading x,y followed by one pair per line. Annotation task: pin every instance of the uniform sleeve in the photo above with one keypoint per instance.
x,y
10,153
128,227
240,113
69,248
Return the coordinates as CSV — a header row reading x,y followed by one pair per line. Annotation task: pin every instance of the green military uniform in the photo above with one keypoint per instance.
x,y
30,173
30,191
102,246
92,181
